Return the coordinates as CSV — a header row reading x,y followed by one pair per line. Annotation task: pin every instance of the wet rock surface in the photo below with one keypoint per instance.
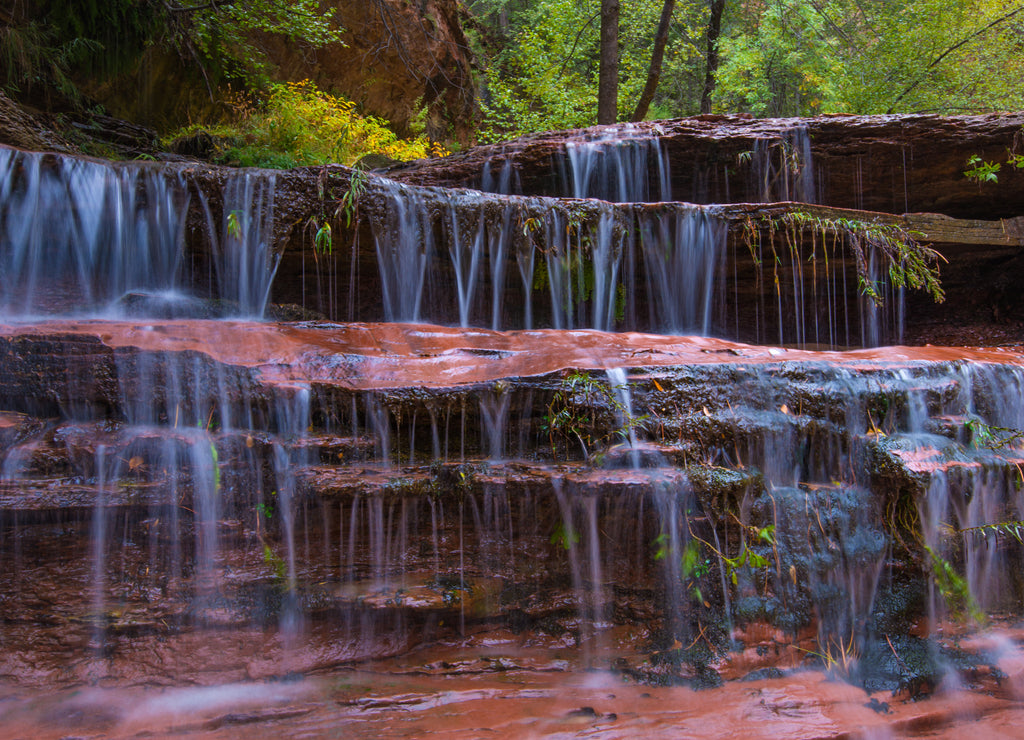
x,y
410,515
891,164
345,284
565,523
401,699
19,128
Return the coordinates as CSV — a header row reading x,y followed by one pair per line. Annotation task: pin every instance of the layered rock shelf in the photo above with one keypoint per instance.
x,y
891,164
664,406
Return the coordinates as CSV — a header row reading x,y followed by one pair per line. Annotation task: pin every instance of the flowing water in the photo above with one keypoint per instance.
x,y
526,512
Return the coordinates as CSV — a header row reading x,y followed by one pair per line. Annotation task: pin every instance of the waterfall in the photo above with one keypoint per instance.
x,y
292,411
783,168
243,246
682,250
404,243
569,473
621,165
95,238
77,235
443,257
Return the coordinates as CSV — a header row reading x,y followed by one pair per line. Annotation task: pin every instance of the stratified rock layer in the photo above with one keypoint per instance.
x,y
893,164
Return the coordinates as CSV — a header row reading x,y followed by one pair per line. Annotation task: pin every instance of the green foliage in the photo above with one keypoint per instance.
x,y
225,34
774,62
276,562
991,437
746,556
778,58
323,241
908,262
954,589
661,543
216,467
574,413
349,204
692,563
542,78
297,124
61,39
102,38
34,56
564,536
348,209
980,171
542,62
786,57
235,224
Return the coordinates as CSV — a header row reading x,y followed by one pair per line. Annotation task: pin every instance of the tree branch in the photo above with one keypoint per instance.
x,y
938,60
575,43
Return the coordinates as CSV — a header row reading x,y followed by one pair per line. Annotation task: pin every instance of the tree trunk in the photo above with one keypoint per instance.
x,y
657,57
608,73
714,31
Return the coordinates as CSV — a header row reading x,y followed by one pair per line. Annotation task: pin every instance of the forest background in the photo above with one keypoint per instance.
x,y
285,82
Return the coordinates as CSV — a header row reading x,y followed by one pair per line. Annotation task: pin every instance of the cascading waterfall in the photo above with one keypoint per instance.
x,y
459,257
292,411
78,234
243,246
589,263
99,553
783,168
499,176
349,499
971,493
88,237
404,244
622,165
494,410
682,251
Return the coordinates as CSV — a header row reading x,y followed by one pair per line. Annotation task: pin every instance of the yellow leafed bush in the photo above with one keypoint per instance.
x,y
298,124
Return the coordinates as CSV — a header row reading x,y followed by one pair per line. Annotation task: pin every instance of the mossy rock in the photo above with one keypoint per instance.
x,y
899,663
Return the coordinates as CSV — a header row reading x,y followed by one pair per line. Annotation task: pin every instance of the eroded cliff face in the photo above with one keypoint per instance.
x,y
406,62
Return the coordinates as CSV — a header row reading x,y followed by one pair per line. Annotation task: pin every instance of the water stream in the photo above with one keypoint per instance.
x,y
542,457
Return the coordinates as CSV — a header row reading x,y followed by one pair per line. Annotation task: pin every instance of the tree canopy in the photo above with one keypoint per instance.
x,y
59,38
540,62
765,57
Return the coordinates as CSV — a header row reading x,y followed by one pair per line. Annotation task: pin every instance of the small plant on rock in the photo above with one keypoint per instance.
x,y
575,411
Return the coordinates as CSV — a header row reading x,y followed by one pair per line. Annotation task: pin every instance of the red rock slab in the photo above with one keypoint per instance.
x,y
377,702
380,356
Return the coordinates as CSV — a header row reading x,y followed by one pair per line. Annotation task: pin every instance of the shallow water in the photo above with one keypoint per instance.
x,y
458,693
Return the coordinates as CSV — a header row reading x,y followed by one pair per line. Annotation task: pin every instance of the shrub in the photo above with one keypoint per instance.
x,y
298,124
